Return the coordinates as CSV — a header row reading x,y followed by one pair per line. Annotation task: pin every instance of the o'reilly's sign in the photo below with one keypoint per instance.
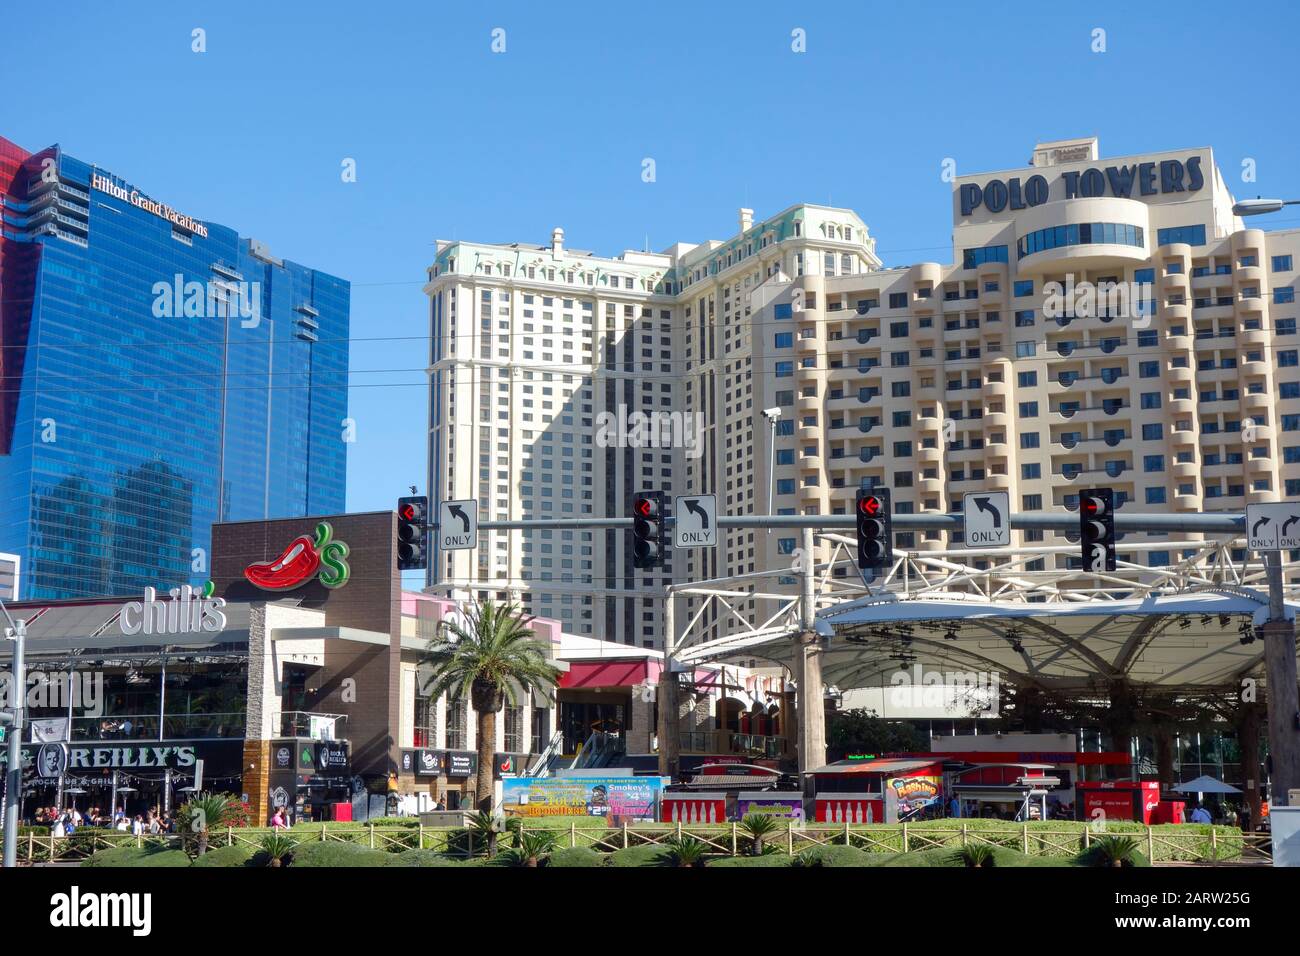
x,y
1120,182
56,758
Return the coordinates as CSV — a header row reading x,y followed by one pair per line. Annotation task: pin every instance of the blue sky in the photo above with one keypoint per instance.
x,y
452,140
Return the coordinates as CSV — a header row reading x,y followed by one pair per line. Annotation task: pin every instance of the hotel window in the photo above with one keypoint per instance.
x,y
1286,326
1281,263
513,738
898,300
1024,318
976,257
1287,358
1283,295
1025,349
1190,235
426,722
456,723
1024,288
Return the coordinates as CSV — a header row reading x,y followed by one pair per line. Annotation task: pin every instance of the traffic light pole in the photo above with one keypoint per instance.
x,y
17,632
1283,696
812,705
668,721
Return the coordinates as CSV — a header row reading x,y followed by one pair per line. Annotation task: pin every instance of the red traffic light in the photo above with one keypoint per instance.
x,y
870,505
408,512
644,507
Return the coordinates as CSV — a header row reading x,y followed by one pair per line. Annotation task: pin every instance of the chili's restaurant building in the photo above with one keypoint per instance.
x,y
294,678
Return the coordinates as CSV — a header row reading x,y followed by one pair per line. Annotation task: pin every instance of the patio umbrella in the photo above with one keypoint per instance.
x,y
1206,785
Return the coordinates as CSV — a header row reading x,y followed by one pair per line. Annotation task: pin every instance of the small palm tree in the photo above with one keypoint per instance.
x,y
485,826
686,851
278,849
492,658
1114,851
204,813
758,827
975,856
533,846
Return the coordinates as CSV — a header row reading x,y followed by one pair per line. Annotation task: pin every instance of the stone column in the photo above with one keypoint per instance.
x,y
1283,709
812,716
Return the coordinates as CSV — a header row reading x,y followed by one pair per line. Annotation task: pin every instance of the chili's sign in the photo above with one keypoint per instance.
x,y
306,557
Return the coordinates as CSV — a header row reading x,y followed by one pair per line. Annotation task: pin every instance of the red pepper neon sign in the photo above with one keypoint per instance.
x,y
306,557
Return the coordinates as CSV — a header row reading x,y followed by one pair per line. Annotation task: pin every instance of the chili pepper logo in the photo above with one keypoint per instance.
x,y
305,557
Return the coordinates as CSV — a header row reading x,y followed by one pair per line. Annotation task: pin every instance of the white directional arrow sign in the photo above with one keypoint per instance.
x,y
1273,527
986,516
695,521
457,525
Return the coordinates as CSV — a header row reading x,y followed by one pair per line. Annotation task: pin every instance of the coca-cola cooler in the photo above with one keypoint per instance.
x,y
1123,800
341,812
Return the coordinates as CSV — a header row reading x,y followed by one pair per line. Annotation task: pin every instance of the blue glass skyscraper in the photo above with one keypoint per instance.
x,y
159,374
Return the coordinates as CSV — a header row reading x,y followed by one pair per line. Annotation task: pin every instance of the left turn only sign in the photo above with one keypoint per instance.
x,y
458,525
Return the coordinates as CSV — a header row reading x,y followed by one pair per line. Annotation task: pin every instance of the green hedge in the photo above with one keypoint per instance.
x,y
239,854
579,856
421,858
138,856
332,853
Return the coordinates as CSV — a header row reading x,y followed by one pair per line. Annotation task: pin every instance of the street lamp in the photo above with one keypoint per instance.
x,y
1256,207
773,415
16,632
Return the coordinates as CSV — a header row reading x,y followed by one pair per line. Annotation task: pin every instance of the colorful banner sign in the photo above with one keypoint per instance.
x,y
784,806
615,798
916,792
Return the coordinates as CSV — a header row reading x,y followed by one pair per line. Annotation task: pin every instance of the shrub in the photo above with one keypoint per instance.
x,y
685,851
576,856
757,827
534,846
421,858
836,856
765,860
237,854
277,850
975,856
1112,851
645,855
333,853
138,856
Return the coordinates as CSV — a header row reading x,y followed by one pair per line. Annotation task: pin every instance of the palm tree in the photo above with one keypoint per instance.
x,y
277,848
757,826
685,851
1113,851
205,812
975,856
533,847
492,658
483,824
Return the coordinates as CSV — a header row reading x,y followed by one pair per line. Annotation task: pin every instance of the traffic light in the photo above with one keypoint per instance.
x,y
412,533
1097,529
875,529
648,538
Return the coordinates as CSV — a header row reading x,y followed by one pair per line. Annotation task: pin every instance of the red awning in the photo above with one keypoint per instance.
x,y
614,673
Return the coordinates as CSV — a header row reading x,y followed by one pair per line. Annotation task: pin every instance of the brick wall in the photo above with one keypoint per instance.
x,y
370,601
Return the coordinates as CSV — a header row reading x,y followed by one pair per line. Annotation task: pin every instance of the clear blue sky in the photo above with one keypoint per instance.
x,y
454,141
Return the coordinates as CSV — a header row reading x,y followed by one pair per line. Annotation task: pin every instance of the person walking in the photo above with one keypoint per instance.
x,y
278,820
1201,815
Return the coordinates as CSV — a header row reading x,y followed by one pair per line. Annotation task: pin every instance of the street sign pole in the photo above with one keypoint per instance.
x,y
17,632
1283,697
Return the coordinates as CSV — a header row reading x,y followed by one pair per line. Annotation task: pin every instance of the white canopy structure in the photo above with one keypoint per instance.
x,y
1187,627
